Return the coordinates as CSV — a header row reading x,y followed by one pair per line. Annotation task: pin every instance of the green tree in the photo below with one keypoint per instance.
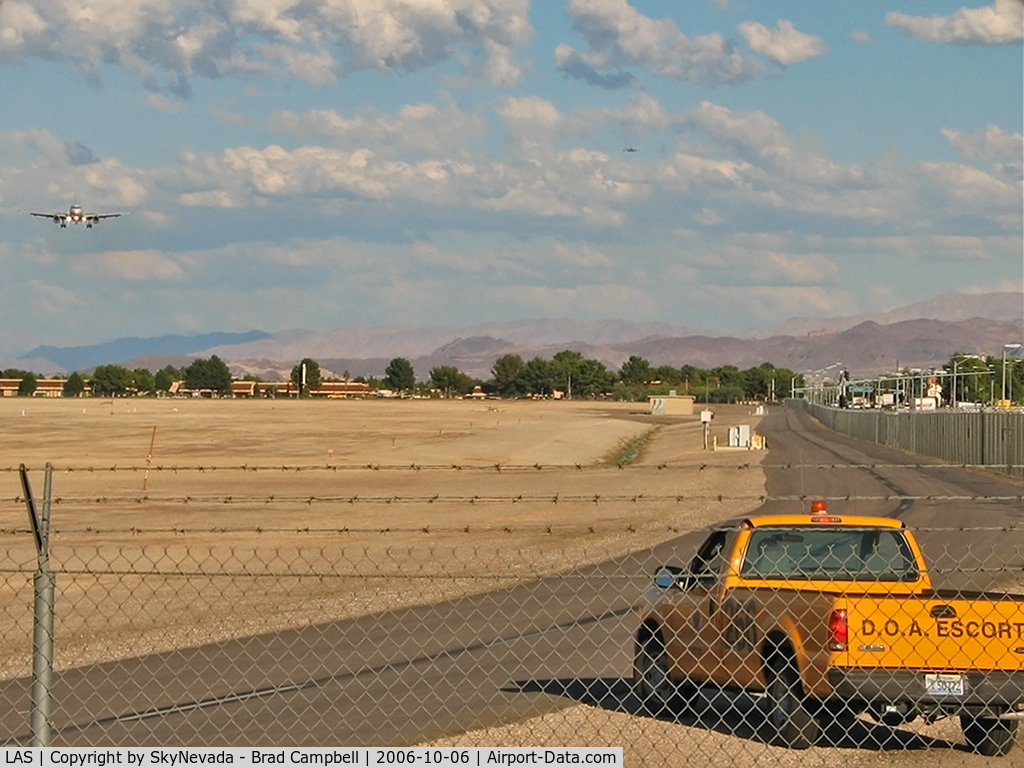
x,y
14,373
636,370
74,386
757,381
539,377
566,366
506,370
165,377
112,381
145,382
451,380
312,376
212,374
28,385
592,379
975,380
399,375
666,374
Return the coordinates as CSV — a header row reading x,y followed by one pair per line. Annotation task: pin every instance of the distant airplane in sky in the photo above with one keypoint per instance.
x,y
77,215
630,149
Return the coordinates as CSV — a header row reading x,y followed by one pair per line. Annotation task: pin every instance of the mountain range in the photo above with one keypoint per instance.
x,y
918,335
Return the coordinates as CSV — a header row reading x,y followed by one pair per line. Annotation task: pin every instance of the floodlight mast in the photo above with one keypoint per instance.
x,y
1006,347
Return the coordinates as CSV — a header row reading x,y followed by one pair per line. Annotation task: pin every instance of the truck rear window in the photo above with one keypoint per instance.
x,y
829,554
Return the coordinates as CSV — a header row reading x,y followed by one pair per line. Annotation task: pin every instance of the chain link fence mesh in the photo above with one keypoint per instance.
x,y
321,640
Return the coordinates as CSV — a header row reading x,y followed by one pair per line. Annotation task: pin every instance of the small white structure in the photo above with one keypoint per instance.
x,y
672,405
739,436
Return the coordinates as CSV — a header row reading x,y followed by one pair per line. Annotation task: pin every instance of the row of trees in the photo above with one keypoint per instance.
x,y
578,377
568,372
116,380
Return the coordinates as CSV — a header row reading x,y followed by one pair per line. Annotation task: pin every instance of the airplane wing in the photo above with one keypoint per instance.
x,y
98,216
54,216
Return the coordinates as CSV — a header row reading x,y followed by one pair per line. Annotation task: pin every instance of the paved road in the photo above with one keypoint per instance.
x,y
410,676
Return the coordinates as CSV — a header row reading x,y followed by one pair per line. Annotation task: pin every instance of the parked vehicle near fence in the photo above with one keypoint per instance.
x,y
830,617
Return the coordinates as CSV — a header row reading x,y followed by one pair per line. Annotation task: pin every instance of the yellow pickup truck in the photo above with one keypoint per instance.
x,y
829,617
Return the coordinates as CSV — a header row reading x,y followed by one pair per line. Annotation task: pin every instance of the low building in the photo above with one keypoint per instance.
x,y
44,387
333,390
243,388
672,405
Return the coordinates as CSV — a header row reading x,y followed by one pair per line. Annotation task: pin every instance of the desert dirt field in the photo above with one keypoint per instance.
x,y
255,516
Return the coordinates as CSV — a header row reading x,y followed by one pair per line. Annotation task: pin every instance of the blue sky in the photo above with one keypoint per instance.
x,y
322,163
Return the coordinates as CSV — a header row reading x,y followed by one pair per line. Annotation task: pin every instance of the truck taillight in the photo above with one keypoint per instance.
x,y
839,630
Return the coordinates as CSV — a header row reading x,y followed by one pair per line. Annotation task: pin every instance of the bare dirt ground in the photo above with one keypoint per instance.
x,y
263,515
652,743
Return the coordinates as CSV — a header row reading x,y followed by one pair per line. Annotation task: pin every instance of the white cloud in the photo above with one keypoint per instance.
x,y
51,176
785,43
860,36
999,23
772,302
166,43
588,300
971,190
619,37
585,256
800,269
162,103
53,299
707,217
423,127
129,265
987,144
932,247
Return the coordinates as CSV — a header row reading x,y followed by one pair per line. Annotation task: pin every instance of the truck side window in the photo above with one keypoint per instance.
x,y
711,557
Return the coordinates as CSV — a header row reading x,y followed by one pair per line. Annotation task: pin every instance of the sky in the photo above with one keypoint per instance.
x,y
324,163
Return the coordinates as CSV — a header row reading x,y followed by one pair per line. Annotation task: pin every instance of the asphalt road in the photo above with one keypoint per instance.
x,y
418,674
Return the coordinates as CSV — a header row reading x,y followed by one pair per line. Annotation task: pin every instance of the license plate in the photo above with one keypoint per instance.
x,y
944,685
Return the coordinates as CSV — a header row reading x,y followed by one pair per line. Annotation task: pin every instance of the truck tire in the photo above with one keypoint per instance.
x,y
652,679
790,721
989,736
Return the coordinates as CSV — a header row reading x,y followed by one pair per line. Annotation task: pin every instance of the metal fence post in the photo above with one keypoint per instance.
x,y
42,626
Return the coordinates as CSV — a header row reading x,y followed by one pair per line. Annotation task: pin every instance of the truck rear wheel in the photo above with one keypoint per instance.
x,y
791,723
989,736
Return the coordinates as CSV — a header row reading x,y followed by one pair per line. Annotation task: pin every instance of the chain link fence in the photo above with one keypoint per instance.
x,y
992,439
316,620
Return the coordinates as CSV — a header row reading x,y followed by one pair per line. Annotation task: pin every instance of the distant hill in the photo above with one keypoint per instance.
x,y
37,365
80,358
867,349
926,333
949,307
364,341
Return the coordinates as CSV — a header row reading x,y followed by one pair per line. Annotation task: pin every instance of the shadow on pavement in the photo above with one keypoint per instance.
x,y
728,712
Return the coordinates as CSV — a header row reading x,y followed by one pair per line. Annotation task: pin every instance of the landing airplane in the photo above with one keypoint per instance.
x,y
76,215
630,149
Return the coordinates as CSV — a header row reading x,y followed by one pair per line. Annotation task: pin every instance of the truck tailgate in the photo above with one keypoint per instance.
x,y
954,632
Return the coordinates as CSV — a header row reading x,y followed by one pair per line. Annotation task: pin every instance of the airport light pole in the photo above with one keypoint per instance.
x,y
1006,347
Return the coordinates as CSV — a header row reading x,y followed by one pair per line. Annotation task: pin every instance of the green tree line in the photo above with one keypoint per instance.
x,y
979,379
576,376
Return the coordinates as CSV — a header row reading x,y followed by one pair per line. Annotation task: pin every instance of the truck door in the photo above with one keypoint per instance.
x,y
691,625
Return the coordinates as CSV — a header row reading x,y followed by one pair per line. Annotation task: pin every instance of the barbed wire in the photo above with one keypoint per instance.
x,y
585,529
522,498
499,468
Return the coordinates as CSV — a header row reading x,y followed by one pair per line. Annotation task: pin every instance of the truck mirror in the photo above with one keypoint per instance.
x,y
668,576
